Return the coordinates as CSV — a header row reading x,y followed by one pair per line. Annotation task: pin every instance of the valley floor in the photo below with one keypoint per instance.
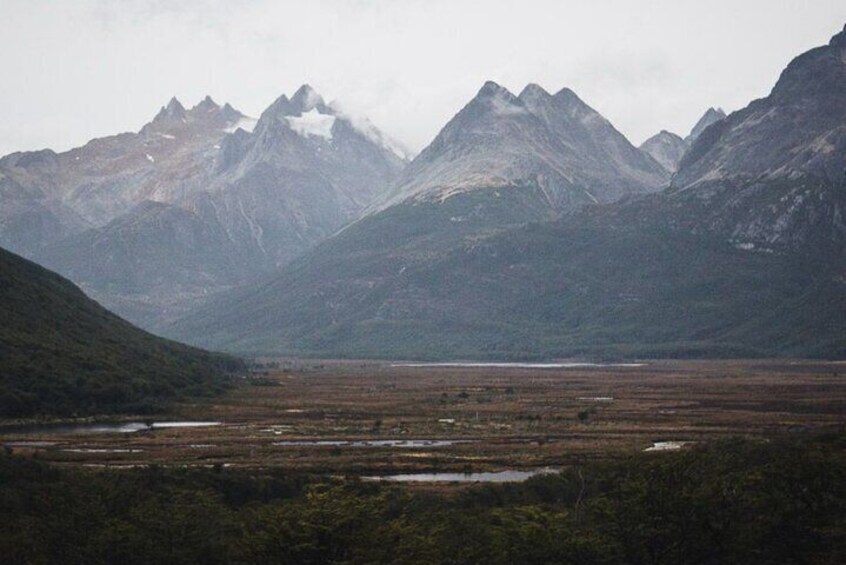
x,y
372,419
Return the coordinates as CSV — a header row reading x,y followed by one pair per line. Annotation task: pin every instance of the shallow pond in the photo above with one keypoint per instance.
x,y
519,365
490,477
101,450
101,428
667,445
412,443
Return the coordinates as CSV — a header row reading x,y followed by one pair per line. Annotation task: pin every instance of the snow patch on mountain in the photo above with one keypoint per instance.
x,y
245,123
312,124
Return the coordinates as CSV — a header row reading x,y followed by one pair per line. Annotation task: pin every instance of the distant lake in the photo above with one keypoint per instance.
x,y
520,365
409,443
101,428
491,477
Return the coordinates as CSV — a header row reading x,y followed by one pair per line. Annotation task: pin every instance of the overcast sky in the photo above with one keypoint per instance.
x,y
78,69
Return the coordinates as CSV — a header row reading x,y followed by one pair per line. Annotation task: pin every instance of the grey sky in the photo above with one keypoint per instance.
x,y
78,69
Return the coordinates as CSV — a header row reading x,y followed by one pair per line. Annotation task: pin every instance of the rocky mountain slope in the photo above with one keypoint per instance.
x,y
773,174
199,200
742,256
556,143
61,353
668,148
89,186
711,116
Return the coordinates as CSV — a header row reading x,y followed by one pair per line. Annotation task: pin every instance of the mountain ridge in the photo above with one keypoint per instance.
x,y
62,354
735,264
264,190
557,141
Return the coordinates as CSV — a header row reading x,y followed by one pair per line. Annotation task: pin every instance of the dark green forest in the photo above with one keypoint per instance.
x,y
734,501
63,354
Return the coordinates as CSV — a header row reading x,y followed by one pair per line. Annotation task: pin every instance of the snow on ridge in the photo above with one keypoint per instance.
x,y
312,124
245,123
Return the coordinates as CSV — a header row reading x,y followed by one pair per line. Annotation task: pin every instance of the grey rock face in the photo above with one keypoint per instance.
x,y
777,168
172,156
711,116
667,148
742,255
554,141
502,162
196,201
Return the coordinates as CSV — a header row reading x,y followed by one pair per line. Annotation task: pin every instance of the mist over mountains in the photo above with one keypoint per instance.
x,y
529,227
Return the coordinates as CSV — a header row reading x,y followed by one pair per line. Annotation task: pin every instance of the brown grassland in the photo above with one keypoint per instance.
x,y
498,417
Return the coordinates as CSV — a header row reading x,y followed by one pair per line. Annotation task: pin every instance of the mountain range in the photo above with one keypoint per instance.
x,y
556,143
528,228
197,201
492,244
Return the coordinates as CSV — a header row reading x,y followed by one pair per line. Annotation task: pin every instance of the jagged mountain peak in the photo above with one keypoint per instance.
x,y
498,100
819,73
805,110
229,113
174,118
663,135
839,39
206,105
533,91
174,110
491,88
174,105
666,148
773,172
568,100
711,116
568,96
499,139
306,99
280,108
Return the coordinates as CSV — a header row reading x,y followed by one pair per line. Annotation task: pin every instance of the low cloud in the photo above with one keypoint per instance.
x,y
95,67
